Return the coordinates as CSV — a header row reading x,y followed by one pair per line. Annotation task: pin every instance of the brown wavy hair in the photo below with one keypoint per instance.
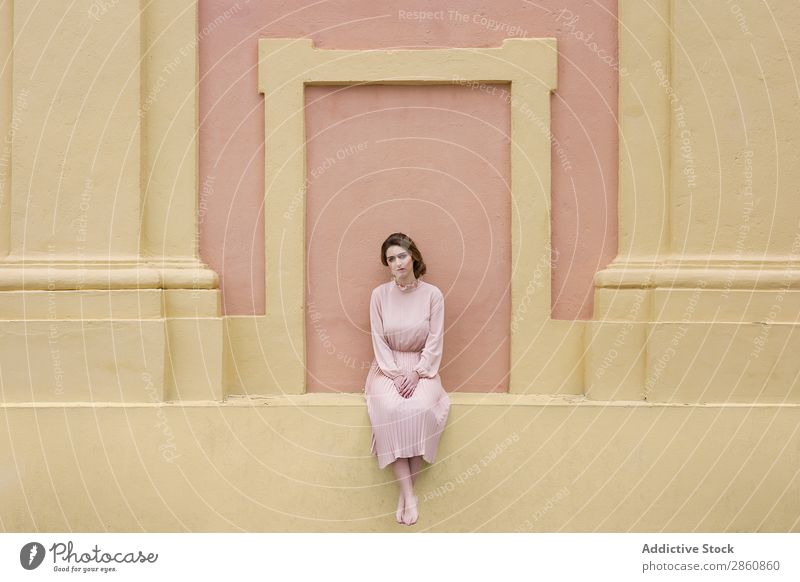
x,y
402,240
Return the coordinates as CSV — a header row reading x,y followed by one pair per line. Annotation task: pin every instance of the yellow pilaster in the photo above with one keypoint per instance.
x,y
98,205
697,307
6,121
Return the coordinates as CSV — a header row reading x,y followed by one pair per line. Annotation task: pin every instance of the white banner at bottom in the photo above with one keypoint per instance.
x,y
389,557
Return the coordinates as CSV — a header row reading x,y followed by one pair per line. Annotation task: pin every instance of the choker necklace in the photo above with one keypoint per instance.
x,y
408,287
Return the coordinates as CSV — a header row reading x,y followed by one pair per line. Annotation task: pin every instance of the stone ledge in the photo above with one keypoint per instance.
x,y
357,401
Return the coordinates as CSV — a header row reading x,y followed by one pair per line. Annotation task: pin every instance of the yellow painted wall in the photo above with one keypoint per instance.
x,y
509,464
130,404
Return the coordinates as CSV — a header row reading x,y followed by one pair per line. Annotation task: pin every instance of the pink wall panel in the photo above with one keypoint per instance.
x,y
432,162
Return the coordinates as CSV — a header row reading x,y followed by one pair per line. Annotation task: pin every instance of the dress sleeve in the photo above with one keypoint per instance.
x,y
428,365
383,353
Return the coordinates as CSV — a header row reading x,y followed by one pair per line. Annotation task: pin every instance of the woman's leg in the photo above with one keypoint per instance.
x,y
415,465
400,467
402,473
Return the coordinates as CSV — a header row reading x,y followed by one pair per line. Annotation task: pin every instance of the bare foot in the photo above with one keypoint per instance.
x,y
401,505
410,512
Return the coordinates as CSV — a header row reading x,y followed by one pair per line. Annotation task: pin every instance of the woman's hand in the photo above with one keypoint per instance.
x,y
398,382
409,385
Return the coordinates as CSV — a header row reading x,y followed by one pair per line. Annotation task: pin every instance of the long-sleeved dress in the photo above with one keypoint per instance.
x,y
407,334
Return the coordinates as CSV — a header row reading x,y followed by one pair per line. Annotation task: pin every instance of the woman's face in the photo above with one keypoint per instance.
x,y
400,261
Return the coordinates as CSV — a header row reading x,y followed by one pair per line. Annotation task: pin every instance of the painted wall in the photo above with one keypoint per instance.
x,y
718,453
425,161
583,123
519,465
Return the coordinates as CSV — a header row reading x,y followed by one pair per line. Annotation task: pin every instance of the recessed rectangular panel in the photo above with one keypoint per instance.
x,y
432,162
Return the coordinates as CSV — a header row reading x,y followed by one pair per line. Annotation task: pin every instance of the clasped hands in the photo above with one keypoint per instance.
x,y
406,384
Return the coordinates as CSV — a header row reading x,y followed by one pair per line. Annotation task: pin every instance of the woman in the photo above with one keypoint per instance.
x,y
406,403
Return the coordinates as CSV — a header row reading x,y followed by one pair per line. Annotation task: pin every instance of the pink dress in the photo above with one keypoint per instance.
x,y
407,334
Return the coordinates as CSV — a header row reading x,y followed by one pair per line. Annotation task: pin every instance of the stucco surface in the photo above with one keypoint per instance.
x,y
438,171
584,134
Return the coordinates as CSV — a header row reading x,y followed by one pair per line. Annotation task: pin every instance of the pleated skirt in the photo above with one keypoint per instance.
x,y
405,427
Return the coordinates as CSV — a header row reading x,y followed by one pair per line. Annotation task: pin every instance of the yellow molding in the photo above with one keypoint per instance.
x,y
288,61
109,304
77,305
727,305
89,276
707,274
286,66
